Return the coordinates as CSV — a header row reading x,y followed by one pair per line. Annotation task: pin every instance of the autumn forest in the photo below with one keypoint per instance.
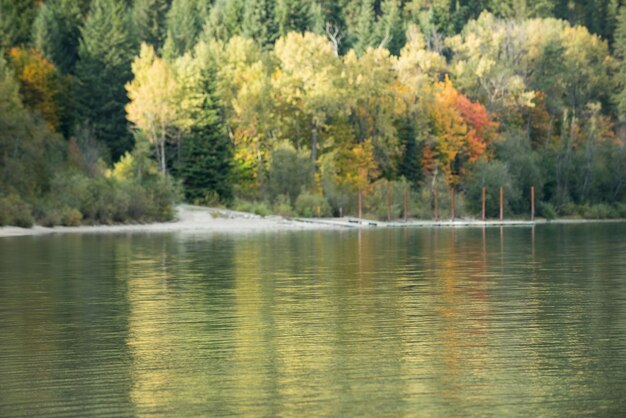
x,y
114,110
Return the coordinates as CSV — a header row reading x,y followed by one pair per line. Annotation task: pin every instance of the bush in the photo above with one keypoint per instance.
x,y
71,217
257,208
309,205
492,175
290,172
546,210
14,211
282,207
598,211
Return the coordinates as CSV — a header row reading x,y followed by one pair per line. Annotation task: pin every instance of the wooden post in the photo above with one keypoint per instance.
x,y
501,203
406,204
360,204
452,209
532,203
484,199
388,203
436,206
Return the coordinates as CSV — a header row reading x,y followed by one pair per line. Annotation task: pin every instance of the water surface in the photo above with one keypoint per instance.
x,y
411,322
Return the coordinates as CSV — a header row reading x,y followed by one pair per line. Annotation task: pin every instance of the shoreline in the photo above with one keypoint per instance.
x,y
197,219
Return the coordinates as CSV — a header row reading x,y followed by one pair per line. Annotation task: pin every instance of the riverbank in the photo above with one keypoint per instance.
x,y
197,219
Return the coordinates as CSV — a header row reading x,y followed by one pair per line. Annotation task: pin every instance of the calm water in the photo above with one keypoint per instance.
x,y
378,323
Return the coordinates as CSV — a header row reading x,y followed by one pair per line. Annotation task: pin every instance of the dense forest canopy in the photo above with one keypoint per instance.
x,y
111,109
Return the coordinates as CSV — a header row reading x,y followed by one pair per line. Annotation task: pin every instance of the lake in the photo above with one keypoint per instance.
x,y
393,322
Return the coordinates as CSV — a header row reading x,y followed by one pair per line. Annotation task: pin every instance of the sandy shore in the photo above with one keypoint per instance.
x,y
189,219
197,219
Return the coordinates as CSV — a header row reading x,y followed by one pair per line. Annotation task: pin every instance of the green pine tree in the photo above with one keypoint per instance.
x,y
390,29
259,22
293,16
149,19
56,33
105,53
206,151
364,36
16,20
227,17
183,27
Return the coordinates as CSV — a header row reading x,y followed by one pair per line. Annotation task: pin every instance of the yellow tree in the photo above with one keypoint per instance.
x,y
40,84
308,83
152,93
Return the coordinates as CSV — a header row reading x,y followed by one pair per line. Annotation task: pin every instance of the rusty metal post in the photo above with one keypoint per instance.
x,y
532,203
388,203
452,209
436,205
406,204
501,203
360,204
484,199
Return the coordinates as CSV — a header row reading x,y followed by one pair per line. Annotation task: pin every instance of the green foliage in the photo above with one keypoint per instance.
x,y
492,175
259,22
293,15
311,205
206,152
14,211
183,27
56,33
282,206
16,18
290,172
105,53
149,21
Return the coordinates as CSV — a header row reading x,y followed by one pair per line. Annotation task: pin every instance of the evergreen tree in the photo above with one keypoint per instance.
x,y
390,28
206,154
259,21
105,53
620,53
364,35
293,16
56,33
183,27
226,19
149,19
16,19
410,167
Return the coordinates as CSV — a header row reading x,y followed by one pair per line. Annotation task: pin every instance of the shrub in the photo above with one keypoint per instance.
x,y
546,210
492,175
282,207
71,217
290,172
598,211
309,205
14,211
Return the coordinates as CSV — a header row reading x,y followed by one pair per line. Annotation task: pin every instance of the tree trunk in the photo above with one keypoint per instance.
x,y
314,139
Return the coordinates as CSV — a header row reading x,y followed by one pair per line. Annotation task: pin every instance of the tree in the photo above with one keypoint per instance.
x,y
105,52
206,154
152,93
41,85
56,33
293,15
364,34
183,27
259,22
149,21
16,19
390,28
620,53
226,19
308,82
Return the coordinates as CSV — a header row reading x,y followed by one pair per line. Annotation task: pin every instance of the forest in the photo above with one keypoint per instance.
x,y
114,110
